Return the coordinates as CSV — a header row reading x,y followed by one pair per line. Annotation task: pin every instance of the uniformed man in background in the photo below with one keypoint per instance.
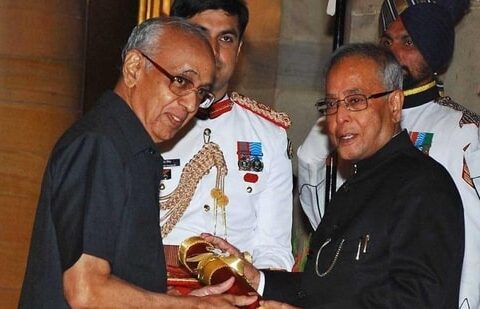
x,y
229,174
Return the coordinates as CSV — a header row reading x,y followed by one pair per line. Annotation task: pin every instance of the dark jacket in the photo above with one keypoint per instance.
x,y
392,237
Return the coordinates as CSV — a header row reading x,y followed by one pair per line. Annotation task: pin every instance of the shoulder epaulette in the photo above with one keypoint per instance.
x,y
468,117
279,118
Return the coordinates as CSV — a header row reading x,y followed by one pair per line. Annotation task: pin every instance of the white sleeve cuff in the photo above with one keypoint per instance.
x,y
261,283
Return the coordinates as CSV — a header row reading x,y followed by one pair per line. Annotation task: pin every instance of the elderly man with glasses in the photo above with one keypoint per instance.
x,y
393,235
96,240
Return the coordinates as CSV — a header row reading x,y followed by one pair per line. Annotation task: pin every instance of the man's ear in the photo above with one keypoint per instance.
x,y
395,101
131,68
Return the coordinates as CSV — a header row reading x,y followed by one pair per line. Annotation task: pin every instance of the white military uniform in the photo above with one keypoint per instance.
x,y
448,133
259,212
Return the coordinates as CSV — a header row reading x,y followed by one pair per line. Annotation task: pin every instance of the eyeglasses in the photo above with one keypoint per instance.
x,y
182,86
353,102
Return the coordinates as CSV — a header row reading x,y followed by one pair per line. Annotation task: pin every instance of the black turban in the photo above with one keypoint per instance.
x,y
430,24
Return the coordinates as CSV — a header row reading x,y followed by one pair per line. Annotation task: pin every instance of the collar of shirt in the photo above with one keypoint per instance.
x,y
220,107
398,143
419,98
131,127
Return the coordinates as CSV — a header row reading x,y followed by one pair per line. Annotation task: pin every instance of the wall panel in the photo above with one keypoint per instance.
x,y
41,77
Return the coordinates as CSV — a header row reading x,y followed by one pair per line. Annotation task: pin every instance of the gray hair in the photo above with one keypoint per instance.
x,y
390,71
144,36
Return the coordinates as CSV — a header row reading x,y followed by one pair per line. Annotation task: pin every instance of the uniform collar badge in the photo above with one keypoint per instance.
x,y
221,107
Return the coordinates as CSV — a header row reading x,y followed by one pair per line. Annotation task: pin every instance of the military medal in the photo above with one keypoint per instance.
x,y
422,141
250,156
243,153
244,163
256,154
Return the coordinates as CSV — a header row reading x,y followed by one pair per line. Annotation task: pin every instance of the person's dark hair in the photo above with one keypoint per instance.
x,y
145,35
390,71
189,8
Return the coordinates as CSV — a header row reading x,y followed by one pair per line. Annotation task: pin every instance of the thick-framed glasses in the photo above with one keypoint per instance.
x,y
353,102
182,86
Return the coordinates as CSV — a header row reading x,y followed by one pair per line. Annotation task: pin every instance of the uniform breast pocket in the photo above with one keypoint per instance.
x,y
249,184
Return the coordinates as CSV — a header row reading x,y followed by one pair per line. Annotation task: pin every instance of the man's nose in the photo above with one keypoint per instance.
x,y
397,51
342,112
189,101
215,46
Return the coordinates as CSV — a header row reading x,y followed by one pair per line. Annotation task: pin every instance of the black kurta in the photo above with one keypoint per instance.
x,y
392,237
100,197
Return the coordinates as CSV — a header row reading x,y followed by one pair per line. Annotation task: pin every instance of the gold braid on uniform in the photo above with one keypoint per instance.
x,y
279,118
177,202
468,117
